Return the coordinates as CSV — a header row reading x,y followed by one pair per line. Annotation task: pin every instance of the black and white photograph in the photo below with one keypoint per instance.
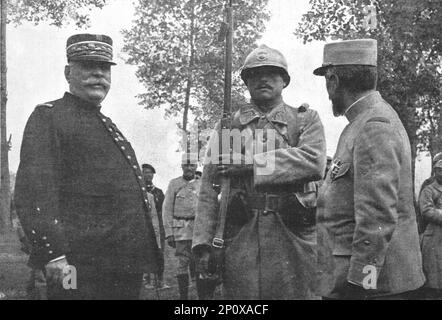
x,y
225,150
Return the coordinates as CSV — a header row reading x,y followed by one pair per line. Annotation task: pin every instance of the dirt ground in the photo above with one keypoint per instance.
x,y
14,274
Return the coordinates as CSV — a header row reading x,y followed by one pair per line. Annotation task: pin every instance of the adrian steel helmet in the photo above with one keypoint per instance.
x,y
265,56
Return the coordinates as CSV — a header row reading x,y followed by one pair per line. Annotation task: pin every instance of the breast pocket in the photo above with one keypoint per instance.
x,y
184,204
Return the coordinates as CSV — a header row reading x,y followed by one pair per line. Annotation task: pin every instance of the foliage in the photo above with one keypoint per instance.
x,y
180,59
57,12
409,53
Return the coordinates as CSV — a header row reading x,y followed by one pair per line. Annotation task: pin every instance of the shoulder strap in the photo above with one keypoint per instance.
x,y
293,126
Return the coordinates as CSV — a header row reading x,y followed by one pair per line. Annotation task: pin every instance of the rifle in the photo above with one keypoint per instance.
x,y
207,286
218,241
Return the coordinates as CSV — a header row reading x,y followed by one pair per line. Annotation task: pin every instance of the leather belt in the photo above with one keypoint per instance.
x,y
265,201
184,218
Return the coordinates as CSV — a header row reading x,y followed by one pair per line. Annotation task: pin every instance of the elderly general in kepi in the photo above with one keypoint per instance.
x,y
367,233
269,236
80,194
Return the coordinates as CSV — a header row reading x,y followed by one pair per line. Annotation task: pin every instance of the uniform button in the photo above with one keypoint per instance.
x,y
143,188
123,148
110,129
129,157
135,167
55,221
104,120
48,245
50,252
140,177
38,209
44,238
33,231
115,139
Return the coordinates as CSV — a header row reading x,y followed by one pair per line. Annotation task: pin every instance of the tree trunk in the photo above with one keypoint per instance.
x,y
189,79
4,147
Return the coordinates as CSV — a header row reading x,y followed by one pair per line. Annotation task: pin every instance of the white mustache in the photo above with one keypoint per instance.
x,y
101,82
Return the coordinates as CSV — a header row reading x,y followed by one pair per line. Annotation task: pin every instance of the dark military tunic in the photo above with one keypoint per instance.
x,y
80,192
158,196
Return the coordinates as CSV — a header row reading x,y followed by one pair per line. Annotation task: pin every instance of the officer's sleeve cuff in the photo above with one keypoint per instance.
x,y
363,275
58,259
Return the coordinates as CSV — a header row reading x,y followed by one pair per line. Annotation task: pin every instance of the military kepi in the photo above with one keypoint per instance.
x,y
349,52
90,47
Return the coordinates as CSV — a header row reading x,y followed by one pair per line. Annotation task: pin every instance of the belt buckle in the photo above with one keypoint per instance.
x,y
272,202
218,243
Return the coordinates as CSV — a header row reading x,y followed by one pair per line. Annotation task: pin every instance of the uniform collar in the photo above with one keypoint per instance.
x,y
361,105
80,102
250,112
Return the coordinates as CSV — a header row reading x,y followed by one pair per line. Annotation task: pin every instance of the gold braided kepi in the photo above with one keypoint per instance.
x,y
89,47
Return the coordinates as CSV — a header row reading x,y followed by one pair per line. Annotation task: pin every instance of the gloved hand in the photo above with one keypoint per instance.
x,y
171,241
237,168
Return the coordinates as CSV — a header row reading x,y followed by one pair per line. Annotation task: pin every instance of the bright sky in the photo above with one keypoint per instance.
x,y
36,59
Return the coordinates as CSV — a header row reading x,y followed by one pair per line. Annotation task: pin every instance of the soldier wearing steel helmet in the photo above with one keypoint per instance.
x,y
269,232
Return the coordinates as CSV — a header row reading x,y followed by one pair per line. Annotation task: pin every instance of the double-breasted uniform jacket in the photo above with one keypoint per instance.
x,y
270,253
79,191
366,217
179,208
430,203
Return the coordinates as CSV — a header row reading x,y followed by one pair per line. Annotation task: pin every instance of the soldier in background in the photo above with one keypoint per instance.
x,y
430,203
421,221
269,240
179,211
368,242
79,192
431,179
156,196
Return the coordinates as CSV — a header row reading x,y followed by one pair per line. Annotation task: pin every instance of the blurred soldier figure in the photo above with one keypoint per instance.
x,y
80,194
421,221
269,237
367,233
179,210
157,219
430,203
431,179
